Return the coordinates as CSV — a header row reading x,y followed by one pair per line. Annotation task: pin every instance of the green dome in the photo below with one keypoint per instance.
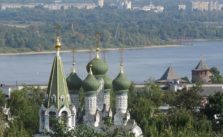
x,y
99,67
90,83
73,81
107,82
121,83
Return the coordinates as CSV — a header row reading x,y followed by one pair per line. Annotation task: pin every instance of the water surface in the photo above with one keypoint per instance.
x,y
140,64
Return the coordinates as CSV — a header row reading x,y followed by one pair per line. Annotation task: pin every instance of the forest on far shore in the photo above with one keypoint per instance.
x,y
35,29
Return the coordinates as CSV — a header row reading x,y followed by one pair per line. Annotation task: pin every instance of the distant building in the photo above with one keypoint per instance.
x,y
171,80
5,6
182,7
53,6
201,73
124,4
101,3
200,5
212,5
128,4
151,7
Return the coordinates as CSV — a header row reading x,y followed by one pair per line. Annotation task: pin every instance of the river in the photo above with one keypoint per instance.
x,y
140,64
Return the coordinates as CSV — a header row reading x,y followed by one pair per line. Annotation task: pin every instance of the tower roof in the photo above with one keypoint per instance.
x,y
99,66
121,83
168,75
90,84
202,65
57,90
74,82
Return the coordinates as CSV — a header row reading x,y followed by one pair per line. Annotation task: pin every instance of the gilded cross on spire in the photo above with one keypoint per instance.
x,y
73,68
58,45
97,44
121,61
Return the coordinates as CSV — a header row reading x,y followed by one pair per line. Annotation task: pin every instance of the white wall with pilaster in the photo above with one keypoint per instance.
x,y
107,101
100,94
121,103
75,100
90,105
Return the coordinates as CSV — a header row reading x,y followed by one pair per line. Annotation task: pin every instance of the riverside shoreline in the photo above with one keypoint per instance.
x,y
87,50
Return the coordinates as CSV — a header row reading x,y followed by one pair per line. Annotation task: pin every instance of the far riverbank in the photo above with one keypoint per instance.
x,y
86,50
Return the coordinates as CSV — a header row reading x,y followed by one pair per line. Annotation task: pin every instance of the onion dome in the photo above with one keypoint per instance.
x,y
99,67
73,81
121,83
107,82
90,84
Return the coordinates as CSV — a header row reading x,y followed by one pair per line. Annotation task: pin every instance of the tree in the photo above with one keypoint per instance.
x,y
2,125
2,99
215,107
80,131
24,105
189,99
154,93
216,76
16,129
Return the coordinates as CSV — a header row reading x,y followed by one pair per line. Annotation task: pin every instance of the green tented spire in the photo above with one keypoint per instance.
x,y
57,87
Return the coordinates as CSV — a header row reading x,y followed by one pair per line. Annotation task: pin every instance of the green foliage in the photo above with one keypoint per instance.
x,y
186,79
215,107
85,131
180,121
154,93
216,76
189,99
34,29
17,130
24,105
2,125
108,121
2,98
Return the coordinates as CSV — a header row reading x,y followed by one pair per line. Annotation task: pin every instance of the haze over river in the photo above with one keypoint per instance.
x,y
140,64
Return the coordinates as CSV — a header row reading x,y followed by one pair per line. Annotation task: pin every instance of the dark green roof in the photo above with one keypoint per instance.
x,y
107,82
90,84
99,67
121,83
73,82
57,86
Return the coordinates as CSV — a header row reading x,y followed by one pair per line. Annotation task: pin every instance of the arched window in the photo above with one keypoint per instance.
x,y
53,98
42,116
52,120
64,118
46,97
62,98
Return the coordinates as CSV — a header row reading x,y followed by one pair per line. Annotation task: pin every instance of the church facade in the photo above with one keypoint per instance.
x,y
62,98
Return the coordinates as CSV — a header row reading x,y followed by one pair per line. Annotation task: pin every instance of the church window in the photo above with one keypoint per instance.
x,y
64,118
42,116
52,120
53,98
62,98
46,96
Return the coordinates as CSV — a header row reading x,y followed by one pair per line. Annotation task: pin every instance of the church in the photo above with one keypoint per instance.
x,y
62,98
